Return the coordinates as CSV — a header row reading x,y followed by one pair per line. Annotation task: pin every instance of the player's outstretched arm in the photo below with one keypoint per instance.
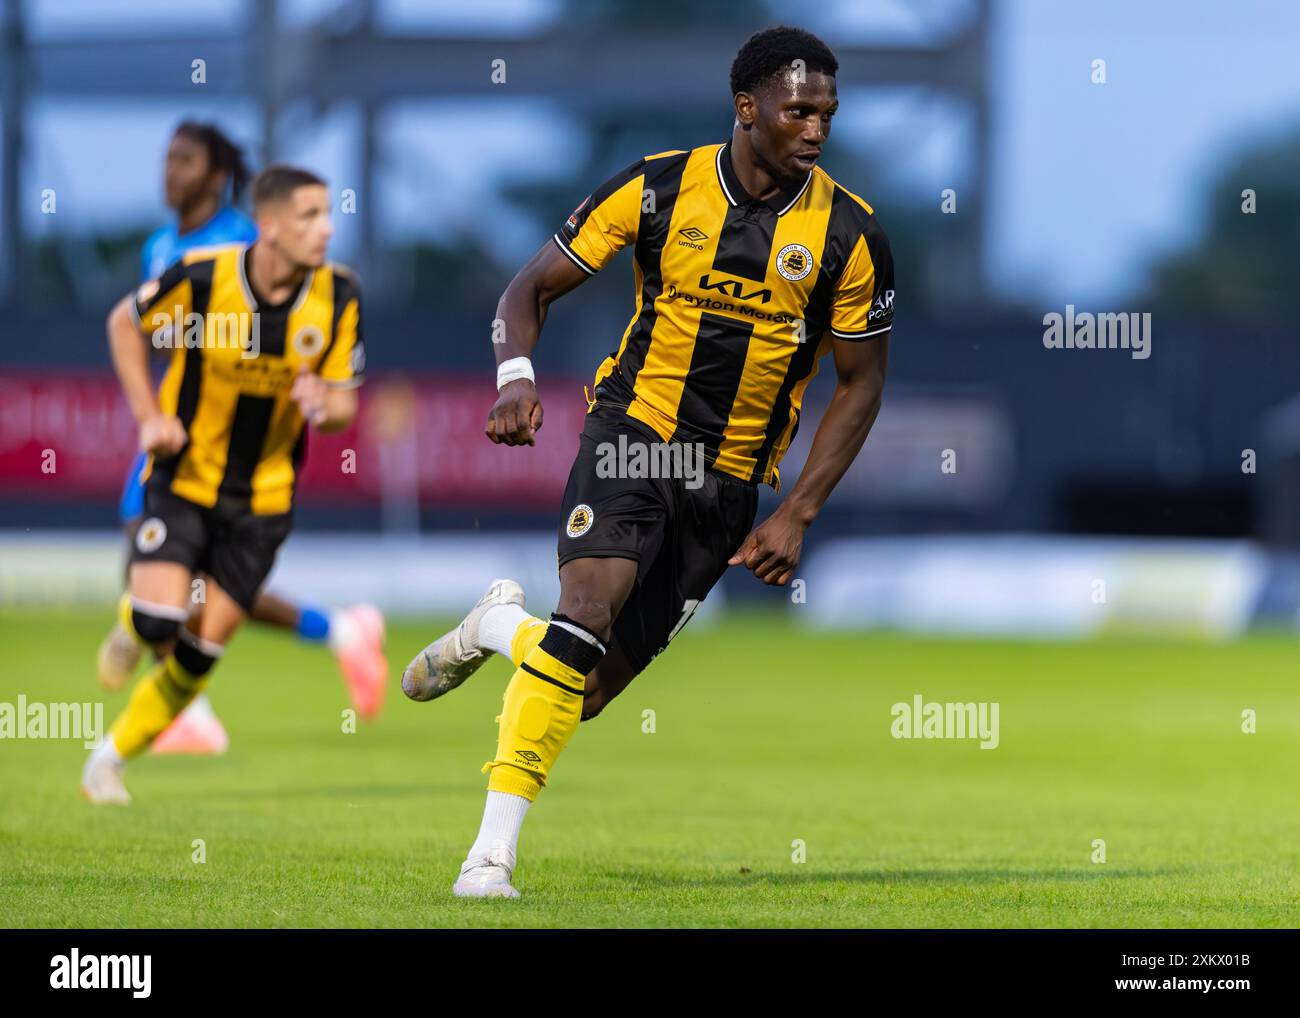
x,y
517,414
159,432
773,548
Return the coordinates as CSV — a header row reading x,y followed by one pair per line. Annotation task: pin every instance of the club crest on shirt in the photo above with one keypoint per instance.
x,y
580,521
794,261
308,341
151,535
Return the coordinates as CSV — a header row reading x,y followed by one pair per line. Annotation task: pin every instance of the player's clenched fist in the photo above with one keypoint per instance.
x,y
772,549
310,392
163,433
516,417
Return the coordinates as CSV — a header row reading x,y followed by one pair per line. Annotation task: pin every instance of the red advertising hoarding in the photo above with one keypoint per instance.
x,y
70,436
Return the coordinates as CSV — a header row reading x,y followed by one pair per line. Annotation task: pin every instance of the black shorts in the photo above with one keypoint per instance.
x,y
227,542
681,530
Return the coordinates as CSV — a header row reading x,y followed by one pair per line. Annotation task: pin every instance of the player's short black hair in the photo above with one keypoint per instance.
x,y
223,154
767,53
279,181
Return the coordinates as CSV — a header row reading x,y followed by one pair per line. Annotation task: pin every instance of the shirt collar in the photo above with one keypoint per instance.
x,y
735,192
293,302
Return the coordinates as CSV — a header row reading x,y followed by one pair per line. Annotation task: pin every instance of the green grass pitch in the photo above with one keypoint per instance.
x,y
764,735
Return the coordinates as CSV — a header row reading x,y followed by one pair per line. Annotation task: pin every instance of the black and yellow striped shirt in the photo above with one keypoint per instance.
x,y
232,368
737,299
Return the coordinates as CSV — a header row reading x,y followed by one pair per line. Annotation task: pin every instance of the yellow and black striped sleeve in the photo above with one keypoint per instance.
x,y
605,222
863,304
160,301
343,364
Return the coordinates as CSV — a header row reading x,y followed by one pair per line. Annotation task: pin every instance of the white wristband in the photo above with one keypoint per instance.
x,y
514,369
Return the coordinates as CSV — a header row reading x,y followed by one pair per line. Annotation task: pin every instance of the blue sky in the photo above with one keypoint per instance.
x,y
1090,182
1093,180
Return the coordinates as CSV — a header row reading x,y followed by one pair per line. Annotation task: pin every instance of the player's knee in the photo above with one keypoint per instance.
x,y
589,611
155,625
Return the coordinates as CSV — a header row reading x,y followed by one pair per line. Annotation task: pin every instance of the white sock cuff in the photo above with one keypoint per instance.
x,y
343,630
497,627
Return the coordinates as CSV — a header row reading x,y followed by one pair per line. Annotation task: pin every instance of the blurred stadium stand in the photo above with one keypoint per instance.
x,y
1046,442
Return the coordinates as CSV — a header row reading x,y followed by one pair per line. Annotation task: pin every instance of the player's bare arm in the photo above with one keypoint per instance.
x,y
773,548
159,432
516,416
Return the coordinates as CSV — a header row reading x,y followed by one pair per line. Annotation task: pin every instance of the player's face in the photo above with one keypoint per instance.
x,y
188,174
299,227
792,120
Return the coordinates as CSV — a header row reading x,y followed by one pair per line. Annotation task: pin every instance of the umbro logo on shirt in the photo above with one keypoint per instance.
x,y
693,236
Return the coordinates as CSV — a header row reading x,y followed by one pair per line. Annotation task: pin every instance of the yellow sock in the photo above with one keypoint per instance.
x,y
124,616
527,636
164,691
541,708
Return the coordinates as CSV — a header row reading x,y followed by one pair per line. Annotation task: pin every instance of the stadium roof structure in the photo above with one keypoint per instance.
x,y
348,56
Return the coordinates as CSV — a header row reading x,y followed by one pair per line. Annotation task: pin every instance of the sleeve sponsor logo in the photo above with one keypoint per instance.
x,y
572,221
882,309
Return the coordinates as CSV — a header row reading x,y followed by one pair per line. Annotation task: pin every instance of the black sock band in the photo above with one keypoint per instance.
x,y
570,648
557,617
154,629
193,658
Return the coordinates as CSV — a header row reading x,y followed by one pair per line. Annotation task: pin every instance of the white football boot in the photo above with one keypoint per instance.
x,y
487,876
101,779
455,656
119,656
